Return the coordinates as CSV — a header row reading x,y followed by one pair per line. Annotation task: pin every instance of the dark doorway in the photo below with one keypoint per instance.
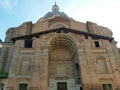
x,y
23,87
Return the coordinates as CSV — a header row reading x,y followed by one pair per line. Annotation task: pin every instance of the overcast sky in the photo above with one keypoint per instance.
x,y
103,12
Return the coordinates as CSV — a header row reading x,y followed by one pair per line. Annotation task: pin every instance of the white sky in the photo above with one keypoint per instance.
x,y
103,12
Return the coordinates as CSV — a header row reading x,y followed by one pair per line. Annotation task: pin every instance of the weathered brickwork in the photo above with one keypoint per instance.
x,y
59,53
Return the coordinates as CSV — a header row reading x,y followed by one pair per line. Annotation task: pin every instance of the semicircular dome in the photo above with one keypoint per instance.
x,y
55,11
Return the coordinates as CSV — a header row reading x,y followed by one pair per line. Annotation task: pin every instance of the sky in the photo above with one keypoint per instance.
x,y
103,12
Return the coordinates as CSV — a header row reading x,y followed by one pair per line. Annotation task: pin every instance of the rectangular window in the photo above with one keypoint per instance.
x,y
28,43
62,86
107,87
22,86
78,80
96,43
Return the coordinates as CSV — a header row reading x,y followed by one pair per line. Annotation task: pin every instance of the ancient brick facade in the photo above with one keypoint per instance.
x,y
59,53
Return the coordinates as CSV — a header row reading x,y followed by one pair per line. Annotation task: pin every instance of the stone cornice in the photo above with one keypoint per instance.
x,y
86,34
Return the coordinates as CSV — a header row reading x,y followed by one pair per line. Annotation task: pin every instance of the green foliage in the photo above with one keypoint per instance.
x,y
3,75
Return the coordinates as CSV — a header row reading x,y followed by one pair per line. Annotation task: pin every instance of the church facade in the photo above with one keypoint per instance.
x,y
59,53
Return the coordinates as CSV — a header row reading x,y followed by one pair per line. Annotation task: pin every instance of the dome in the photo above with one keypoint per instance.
x,y
55,11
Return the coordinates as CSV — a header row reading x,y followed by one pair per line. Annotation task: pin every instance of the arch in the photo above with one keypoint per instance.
x,y
58,25
63,41
63,58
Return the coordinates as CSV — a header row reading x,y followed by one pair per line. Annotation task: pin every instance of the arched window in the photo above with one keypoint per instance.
x,y
57,26
77,68
77,74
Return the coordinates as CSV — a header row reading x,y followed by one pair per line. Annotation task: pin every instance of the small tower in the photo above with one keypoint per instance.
x,y
55,8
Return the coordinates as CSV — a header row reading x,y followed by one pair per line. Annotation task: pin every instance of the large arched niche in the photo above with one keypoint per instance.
x,y
62,62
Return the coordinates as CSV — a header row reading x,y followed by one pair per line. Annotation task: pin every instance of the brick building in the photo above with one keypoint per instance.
x,y
59,53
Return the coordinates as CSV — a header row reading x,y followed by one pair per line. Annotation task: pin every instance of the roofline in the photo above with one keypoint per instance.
x,y
86,34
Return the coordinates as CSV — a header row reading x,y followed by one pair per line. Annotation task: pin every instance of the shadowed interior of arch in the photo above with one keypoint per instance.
x,y
63,42
62,61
